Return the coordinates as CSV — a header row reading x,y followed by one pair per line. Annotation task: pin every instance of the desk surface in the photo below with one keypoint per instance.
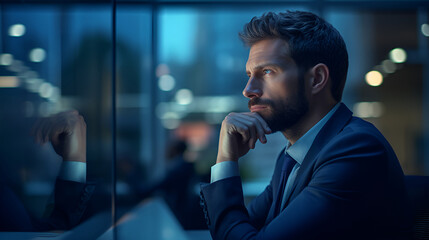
x,y
152,219
149,220
28,235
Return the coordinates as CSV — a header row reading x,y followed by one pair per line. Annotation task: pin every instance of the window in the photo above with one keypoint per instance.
x,y
150,77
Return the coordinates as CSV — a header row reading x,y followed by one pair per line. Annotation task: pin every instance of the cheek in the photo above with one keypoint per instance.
x,y
280,92
283,88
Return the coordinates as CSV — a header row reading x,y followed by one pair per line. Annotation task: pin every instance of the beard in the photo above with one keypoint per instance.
x,y
285,113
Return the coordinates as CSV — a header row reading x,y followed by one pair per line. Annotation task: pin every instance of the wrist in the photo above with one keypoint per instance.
x,y
224,170
225,159
75,159
73,171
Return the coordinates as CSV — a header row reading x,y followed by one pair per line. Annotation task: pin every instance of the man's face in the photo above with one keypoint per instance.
x,y
275,89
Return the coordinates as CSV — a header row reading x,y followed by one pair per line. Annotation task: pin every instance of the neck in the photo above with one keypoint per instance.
x,y
313,116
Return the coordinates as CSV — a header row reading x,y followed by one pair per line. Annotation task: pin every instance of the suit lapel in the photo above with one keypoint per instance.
x,y
334,125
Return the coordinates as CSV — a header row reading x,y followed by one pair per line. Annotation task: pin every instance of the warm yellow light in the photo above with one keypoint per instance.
x,y
398,55
374,78
9,82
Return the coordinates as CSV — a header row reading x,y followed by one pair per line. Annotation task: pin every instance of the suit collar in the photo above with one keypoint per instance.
x,y
300,148
337,122
332,127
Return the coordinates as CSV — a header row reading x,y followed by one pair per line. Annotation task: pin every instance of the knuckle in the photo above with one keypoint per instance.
x,y
228,117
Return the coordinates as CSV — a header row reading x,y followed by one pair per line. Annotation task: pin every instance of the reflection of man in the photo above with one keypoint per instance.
x,y
67,133
338,178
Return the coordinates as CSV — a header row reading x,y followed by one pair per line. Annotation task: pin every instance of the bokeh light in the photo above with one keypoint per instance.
x,y
374,78
37,55
425,29
368,109
398,55
6,59
388,66
17,30
166,83
162,69
184,96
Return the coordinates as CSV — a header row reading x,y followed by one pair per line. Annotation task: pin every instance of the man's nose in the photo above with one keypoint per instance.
x,y
252,89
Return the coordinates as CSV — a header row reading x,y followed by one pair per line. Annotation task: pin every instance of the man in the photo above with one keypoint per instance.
x,y
337,178
67,133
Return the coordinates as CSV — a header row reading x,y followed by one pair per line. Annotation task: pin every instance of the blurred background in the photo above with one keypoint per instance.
x,y
147,75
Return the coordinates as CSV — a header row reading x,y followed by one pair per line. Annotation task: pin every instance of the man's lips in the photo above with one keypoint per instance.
x,y
257,107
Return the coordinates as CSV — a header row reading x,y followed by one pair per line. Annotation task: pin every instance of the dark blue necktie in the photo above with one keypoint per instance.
x,y
288,164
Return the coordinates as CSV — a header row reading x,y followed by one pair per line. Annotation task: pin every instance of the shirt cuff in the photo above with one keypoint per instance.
x,y
224,170
73,171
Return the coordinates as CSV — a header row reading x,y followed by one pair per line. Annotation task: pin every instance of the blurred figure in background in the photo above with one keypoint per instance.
x,y
67,133
177,184
177,187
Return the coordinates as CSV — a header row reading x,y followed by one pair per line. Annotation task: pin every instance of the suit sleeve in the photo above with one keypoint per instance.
x,y
71,201
14,217
259,207
348,172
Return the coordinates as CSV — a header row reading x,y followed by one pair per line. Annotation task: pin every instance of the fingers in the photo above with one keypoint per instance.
x,y
250,131
67,133
263,123
248,134
250,126
82,120
261,127
50,128
63,123
41,130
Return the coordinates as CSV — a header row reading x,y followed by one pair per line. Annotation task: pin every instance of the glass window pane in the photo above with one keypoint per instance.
x,y
135,148
55,58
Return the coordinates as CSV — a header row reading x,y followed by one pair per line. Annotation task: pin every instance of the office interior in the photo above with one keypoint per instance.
x,y
146,74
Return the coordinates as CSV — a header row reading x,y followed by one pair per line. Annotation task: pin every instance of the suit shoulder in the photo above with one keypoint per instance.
x,y
356,137
362,130
358,124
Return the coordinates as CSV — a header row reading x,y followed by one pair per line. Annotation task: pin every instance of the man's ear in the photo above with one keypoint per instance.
x,y
320,78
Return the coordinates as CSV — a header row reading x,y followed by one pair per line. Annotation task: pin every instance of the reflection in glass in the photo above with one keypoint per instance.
x,y
45,186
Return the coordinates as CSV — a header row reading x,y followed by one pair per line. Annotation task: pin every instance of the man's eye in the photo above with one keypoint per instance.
x,y
267,71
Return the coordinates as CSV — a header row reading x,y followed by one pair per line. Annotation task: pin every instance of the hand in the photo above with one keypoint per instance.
x,y
67,133
239,133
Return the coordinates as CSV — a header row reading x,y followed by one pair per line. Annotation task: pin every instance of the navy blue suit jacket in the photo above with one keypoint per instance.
x,y
349,186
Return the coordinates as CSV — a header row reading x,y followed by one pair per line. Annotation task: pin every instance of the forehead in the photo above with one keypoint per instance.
x,y
269,51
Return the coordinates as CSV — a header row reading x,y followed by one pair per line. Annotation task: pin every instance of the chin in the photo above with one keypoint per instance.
x,y
266,116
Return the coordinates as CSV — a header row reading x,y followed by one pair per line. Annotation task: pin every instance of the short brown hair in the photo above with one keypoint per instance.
x,y
311,40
